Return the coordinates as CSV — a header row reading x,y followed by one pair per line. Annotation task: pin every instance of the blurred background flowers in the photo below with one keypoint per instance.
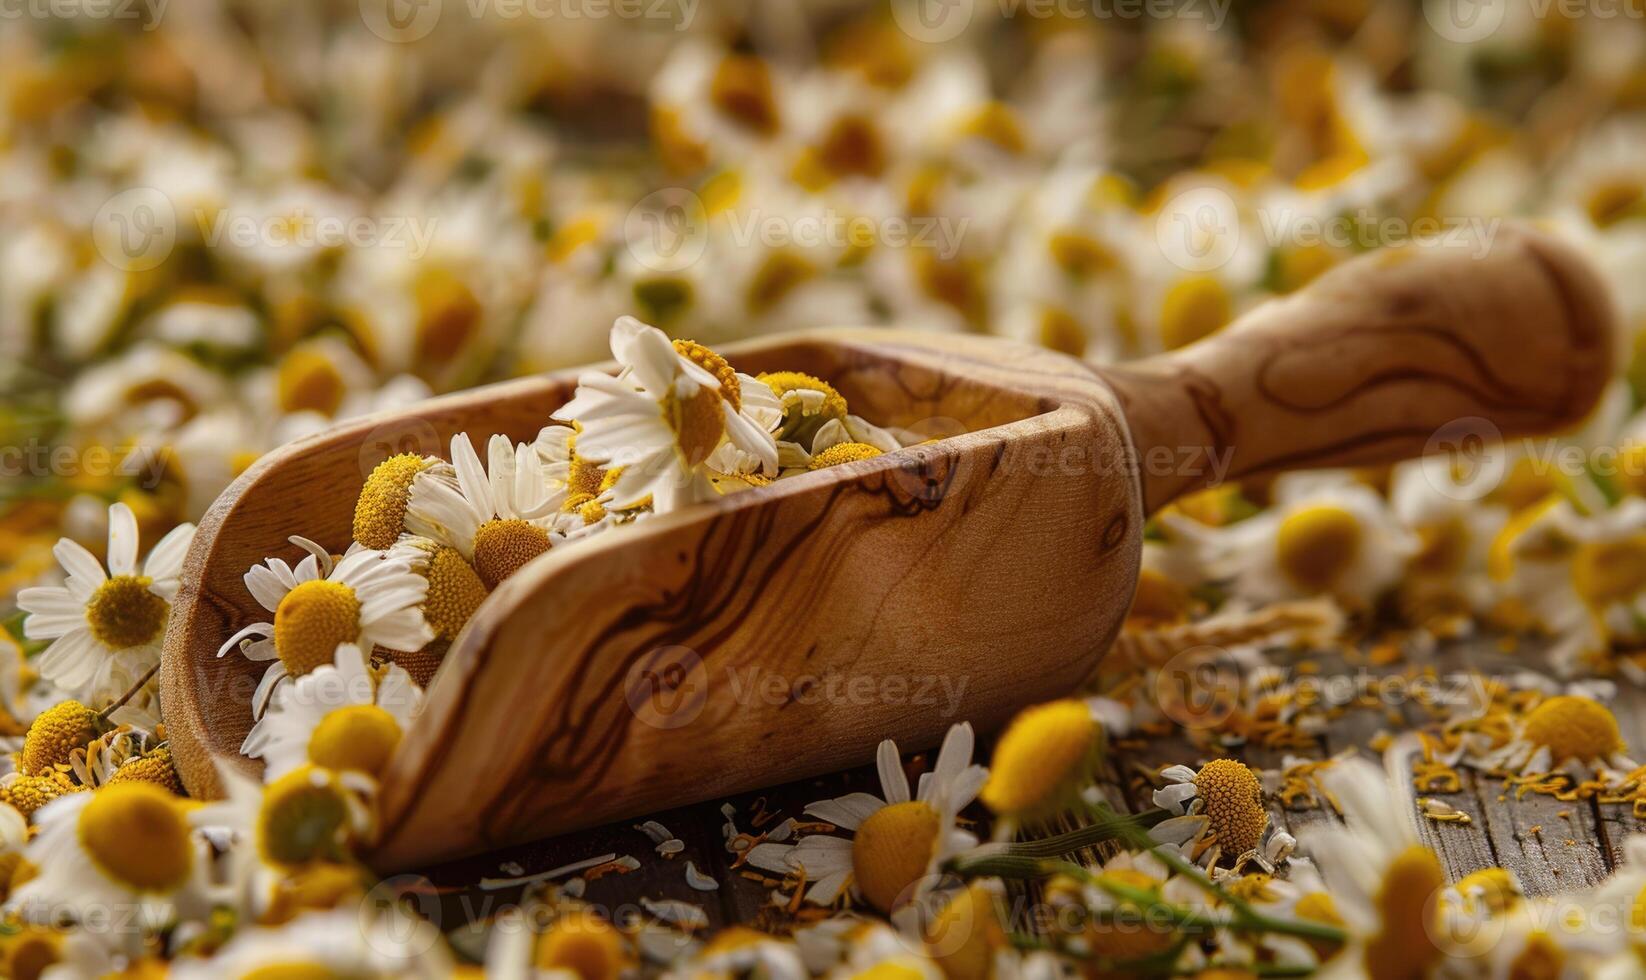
x,y
226,224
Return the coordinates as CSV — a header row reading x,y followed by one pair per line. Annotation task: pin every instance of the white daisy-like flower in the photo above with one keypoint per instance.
x,y
1384,884
128,845
337,943
739,951
1447,574
338,716
1117,929
1581,580
498,515
663,417
105,627
1566,733
366,598
1218,812
1325,535
899,842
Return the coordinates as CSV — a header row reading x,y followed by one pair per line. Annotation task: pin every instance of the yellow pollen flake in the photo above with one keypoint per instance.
x,y
1316,546
380,512
730,388
312,621
123,613
697,424
360,737
892,850
503,546
137,834
1572,727
54,735
1045,751
455,592
1233,804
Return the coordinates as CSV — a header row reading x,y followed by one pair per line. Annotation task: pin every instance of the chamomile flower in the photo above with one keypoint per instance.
x,y
380,511
105,627
127,845
340,943
338,716
898,841
1446,576
498,516
1581,580
1044,759
1325,535
1218,812
741,951
365,598
663,417
1383,884
1566,733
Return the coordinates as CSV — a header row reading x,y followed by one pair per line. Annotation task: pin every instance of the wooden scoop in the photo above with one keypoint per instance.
x,y
784,631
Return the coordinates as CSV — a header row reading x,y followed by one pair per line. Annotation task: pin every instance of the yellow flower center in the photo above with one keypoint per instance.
x,y
380,512
1631,468
730,388
1233,804
1443,548
30,793
308,381
1062,332
583,476
1319,907
455,592
1192,309
1044,752
1610,571
964,936
155,768
1493,890
844,452
781,383
359,736
1316,546
29,953
136,833
1081,255
1128,935
742,89
1541,959
776,278
123,613
697,424
892,850
1571,727
584,944
302,819
1405,946
1526,483
1614,200
504,545
53,736
319,886
312,621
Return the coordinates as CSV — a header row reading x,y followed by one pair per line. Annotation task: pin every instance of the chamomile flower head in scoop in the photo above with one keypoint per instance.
x,y
341,716
105,627
498,516
365,598
662,418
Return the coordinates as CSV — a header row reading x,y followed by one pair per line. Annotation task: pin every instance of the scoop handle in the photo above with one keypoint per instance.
x,y
1402,351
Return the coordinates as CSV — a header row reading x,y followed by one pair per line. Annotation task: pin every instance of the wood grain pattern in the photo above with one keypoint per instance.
x,y
783,632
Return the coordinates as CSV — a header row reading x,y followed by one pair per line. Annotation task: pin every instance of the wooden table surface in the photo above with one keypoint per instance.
x,y
1553,845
